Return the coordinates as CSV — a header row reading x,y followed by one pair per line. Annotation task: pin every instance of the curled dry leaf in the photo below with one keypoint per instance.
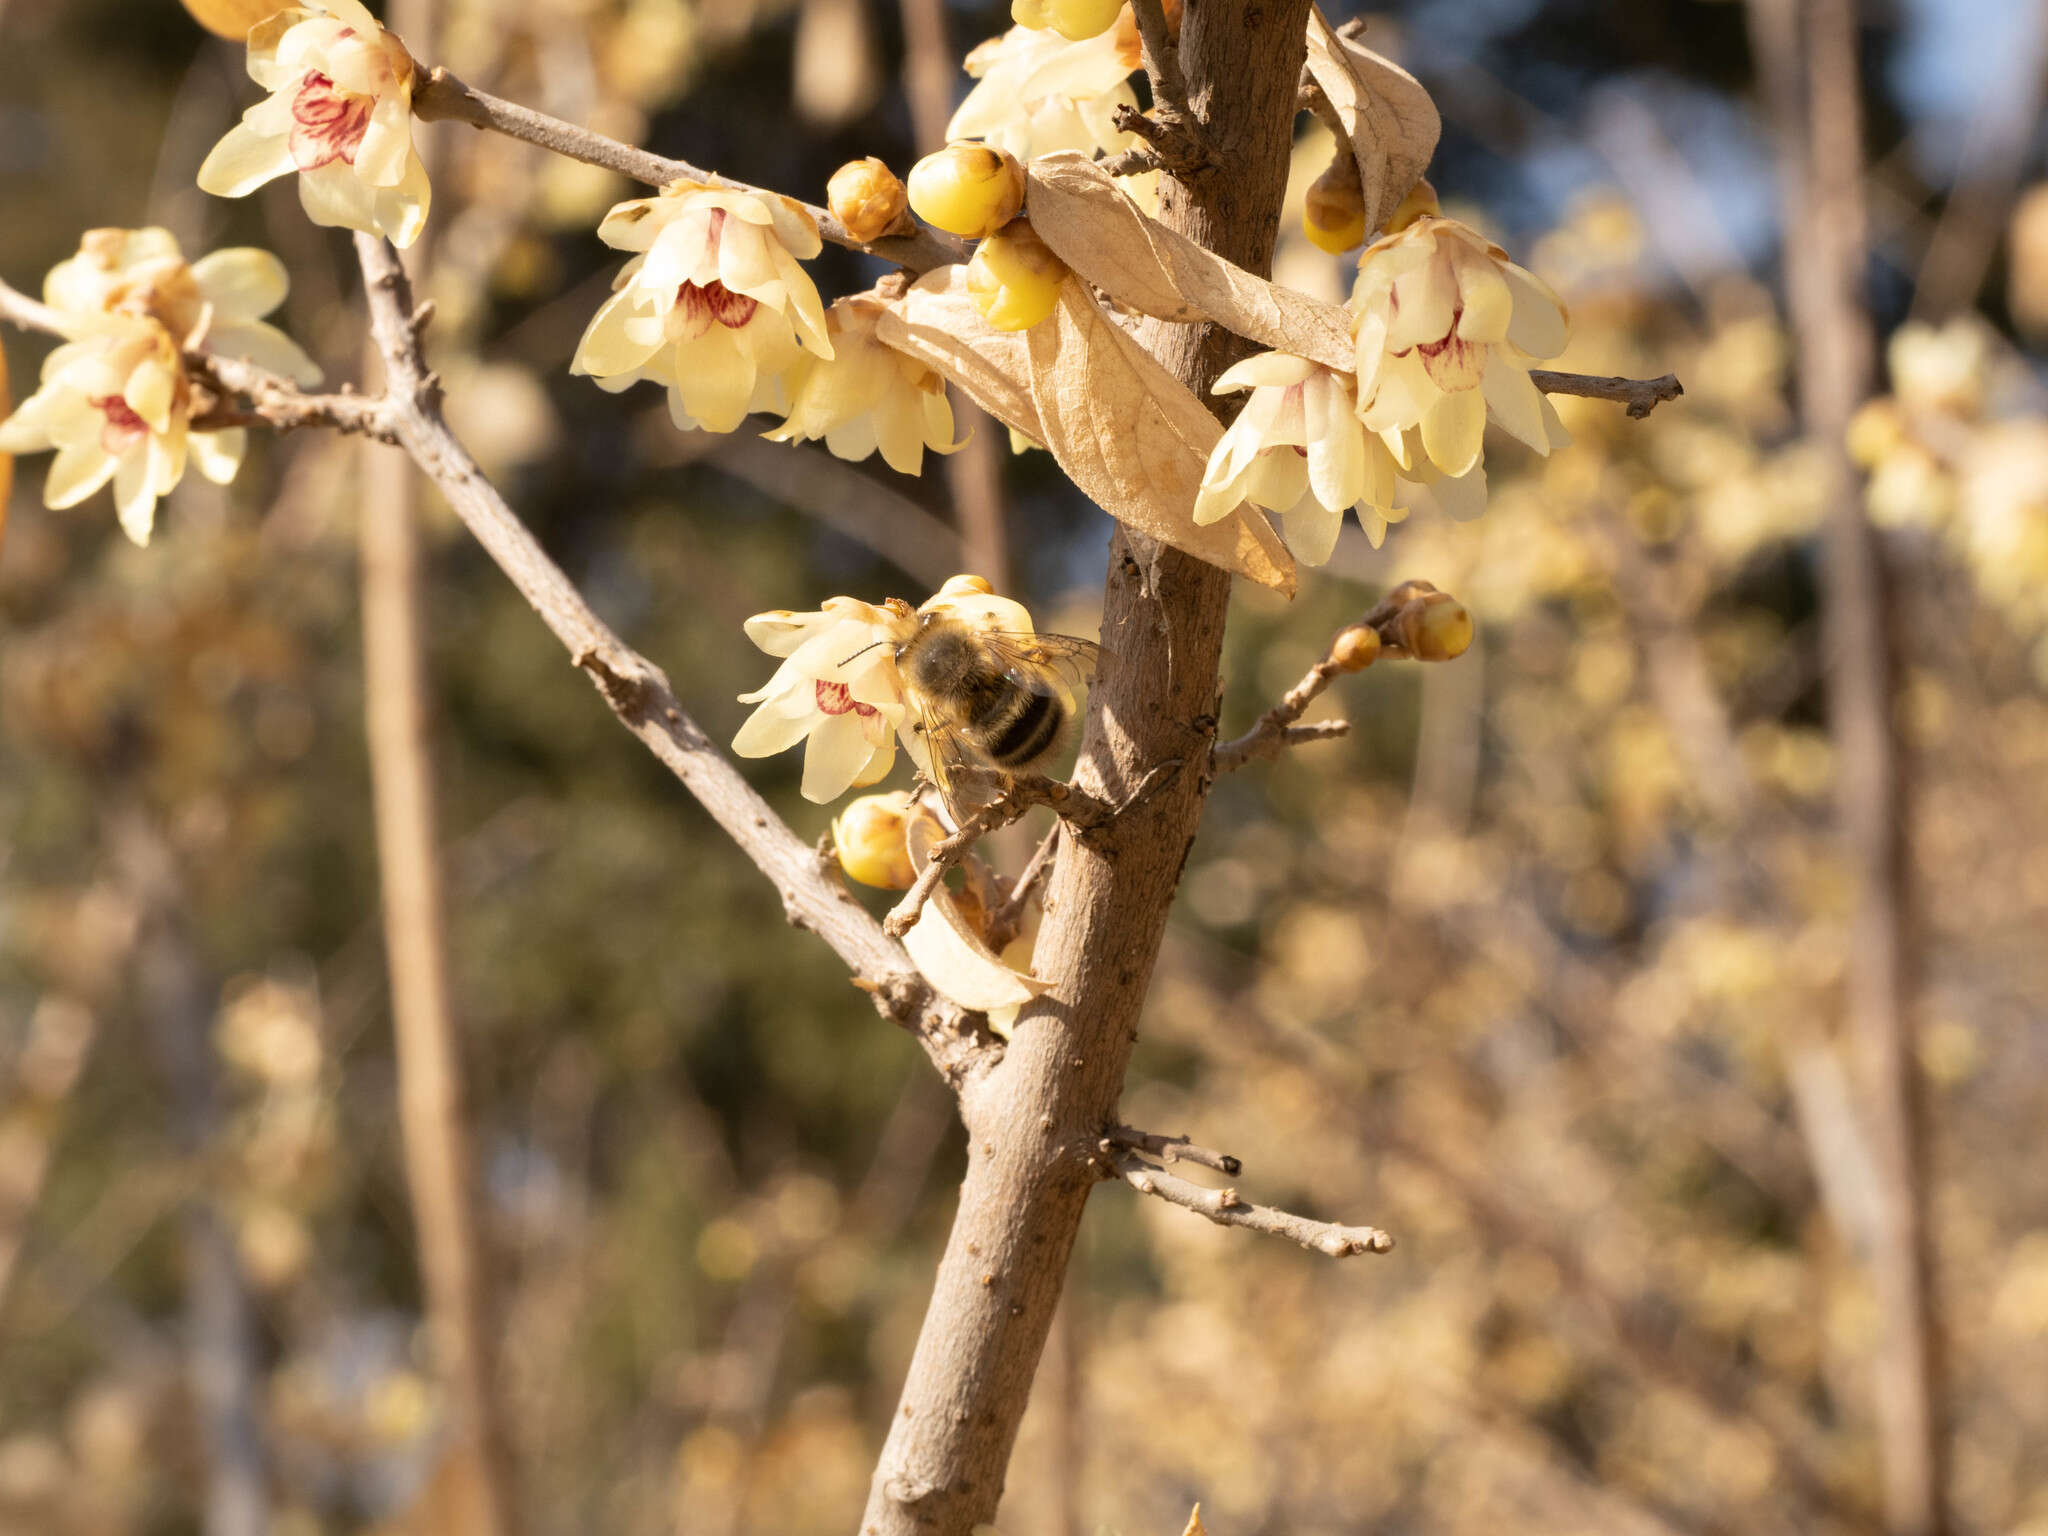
x,y
1392,122
1095,228
1126,431
949,952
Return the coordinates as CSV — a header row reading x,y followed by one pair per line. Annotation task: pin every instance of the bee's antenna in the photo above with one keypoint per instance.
x,y
856,656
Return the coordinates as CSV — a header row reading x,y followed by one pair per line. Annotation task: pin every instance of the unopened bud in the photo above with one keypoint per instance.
x,y
1419,203
1333,214
1433,626
866,197
869,837
1356,648
1014,278
971,190
1075,20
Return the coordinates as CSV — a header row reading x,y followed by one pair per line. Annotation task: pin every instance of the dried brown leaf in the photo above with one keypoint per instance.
x,y
1393,124
1126,431
936,323
1096,229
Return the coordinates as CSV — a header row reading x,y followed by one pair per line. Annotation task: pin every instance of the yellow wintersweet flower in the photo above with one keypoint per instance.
x,y
1446,329
215,304
715,306
115,405
1298,449
867,396
339,113
837,689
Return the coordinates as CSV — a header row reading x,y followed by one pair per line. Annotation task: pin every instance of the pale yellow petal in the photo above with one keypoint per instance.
x,y
241,283
243,161
1454,430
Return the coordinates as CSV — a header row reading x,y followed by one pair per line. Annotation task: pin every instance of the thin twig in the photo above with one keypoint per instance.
x,y
958,1043
1641,396
1162,56
442,97
1276,729
1006,921
1135,161
1227,1208
1020,793
1312,96
1170,1149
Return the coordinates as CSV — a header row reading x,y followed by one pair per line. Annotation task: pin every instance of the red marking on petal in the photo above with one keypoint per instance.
x,y
124,429
328,123
715,302
838,699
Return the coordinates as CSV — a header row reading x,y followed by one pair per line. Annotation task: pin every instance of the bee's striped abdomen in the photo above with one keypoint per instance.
x,y
1029,734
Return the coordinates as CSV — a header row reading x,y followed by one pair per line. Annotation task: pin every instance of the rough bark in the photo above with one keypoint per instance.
x,y
1035,1120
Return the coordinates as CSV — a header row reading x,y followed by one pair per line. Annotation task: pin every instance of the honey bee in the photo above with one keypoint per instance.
x,y
990,698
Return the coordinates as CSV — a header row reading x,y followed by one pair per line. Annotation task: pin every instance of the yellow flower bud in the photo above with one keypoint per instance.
x,y
1075,20
1419,203
869,837
1433,626
970,190
1333,214
1014,278
866,197
1356,648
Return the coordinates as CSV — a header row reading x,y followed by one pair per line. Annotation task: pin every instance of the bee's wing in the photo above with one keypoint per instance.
x,y
946,751
1057,664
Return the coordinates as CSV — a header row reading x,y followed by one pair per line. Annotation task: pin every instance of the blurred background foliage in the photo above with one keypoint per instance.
x,y
1539,969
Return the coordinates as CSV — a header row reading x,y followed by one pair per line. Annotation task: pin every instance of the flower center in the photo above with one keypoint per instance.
x,y
715,301
1453,363
124,429
838,699
328,123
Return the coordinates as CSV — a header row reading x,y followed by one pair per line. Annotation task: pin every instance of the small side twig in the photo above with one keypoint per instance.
x,y
1276,729
1227,1208
1169,1149
1641,396
1006,921
1172,133
1311,96
1162,56
1021,793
